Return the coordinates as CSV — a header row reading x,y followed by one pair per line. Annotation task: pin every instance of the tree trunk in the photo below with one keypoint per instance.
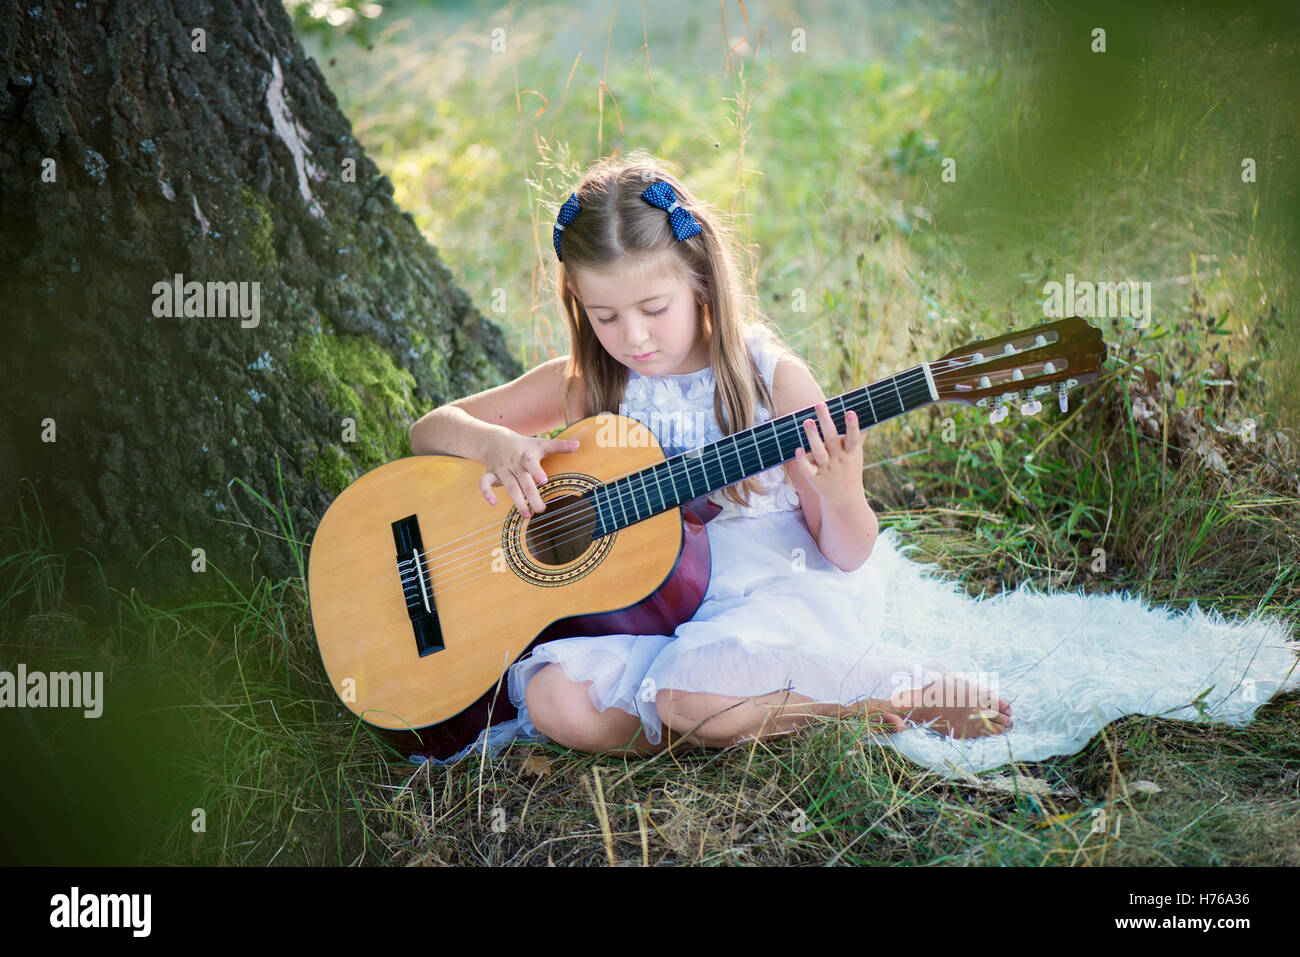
x,y
149,140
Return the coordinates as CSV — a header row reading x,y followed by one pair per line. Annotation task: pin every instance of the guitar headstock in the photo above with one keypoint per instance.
x,y
1019,366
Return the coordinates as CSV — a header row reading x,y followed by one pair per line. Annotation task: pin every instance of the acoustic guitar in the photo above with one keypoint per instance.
x,y
423,595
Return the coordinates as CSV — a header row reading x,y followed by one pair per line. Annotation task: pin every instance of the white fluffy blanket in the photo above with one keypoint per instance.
x,y
1069,663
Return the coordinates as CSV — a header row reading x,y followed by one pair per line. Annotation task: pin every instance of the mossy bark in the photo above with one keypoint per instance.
x,y
130,155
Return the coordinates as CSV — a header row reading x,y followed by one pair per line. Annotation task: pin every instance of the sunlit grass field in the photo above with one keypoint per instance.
x,y
827,139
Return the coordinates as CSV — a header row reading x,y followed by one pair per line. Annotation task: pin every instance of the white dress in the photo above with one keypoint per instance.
x,y
778,615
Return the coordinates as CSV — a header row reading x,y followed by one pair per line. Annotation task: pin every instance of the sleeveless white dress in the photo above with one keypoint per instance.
x,y
778,615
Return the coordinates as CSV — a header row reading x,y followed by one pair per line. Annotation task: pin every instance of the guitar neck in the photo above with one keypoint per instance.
x,y
668,484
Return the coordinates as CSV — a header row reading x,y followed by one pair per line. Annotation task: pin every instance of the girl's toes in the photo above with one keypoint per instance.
x,y
888,722
996,722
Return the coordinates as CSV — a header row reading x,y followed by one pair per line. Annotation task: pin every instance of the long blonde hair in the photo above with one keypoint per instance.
x,y
614,225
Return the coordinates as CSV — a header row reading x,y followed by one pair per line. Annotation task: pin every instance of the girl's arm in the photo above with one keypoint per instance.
x,y
530,405
845,532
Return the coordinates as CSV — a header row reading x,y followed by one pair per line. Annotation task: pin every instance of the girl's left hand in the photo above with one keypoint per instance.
x,y
833,467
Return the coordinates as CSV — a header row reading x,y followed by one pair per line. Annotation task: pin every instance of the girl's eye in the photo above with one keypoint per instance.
x,y
605,322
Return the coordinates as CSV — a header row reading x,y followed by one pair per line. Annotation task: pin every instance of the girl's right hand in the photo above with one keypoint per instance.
x,y
514,461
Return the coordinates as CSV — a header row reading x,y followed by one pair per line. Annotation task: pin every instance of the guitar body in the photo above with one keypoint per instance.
x,y
423,594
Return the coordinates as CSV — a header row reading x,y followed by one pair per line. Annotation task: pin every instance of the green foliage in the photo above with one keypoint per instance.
x,y
329,20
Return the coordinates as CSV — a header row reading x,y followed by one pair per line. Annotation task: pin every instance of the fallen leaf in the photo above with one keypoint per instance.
x,y
1012,784
536,763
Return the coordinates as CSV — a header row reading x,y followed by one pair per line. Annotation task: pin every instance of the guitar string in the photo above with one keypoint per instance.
x,y
746,460
409,569
627,500
627,496
624,498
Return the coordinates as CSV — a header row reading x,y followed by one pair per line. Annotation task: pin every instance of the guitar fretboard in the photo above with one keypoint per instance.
x,y
667,484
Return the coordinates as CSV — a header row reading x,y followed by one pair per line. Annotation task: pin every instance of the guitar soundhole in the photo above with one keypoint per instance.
x,y
563,533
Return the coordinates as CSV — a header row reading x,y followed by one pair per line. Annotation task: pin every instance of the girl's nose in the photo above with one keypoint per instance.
x,y
637,336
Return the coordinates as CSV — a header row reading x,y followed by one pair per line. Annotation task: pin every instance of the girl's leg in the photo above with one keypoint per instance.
x,y
717,721
562,710
956,706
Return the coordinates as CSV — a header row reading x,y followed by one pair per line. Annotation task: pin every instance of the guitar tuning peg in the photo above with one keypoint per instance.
x,y
1032,407
1063,397
999,410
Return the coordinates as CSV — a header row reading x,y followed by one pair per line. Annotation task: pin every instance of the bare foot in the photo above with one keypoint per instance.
x,y
955,706
881,714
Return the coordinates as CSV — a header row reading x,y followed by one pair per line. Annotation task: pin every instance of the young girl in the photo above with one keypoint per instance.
x,y
793,624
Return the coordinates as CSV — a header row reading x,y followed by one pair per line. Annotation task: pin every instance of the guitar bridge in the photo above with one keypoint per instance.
x,y
417,586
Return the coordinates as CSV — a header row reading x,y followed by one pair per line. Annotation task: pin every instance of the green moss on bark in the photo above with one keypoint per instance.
x,y
357,379
258,228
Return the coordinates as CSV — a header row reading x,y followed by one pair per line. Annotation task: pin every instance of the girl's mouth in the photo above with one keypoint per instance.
x,y
643,358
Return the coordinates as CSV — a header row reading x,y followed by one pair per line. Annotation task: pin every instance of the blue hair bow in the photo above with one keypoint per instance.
x,y
567,212
661,194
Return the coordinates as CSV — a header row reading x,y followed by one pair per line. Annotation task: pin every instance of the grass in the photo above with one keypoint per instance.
x,y
868,261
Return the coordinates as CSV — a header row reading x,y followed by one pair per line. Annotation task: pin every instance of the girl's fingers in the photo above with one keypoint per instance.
x,y
533,464
833,443
852,433
803,463
828,424
815,447
520,485
530,492
515,492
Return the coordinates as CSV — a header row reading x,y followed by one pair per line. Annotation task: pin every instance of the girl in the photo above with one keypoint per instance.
x,y
809,610
661,331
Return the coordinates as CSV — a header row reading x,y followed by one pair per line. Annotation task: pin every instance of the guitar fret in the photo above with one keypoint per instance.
x,y
672,478
720,481
735,450
686,463
632,507
637,483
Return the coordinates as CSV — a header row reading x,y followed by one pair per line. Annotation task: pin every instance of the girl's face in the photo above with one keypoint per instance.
x,y
646,319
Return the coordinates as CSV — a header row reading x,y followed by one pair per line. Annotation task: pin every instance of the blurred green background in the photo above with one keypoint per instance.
x,y
823,127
